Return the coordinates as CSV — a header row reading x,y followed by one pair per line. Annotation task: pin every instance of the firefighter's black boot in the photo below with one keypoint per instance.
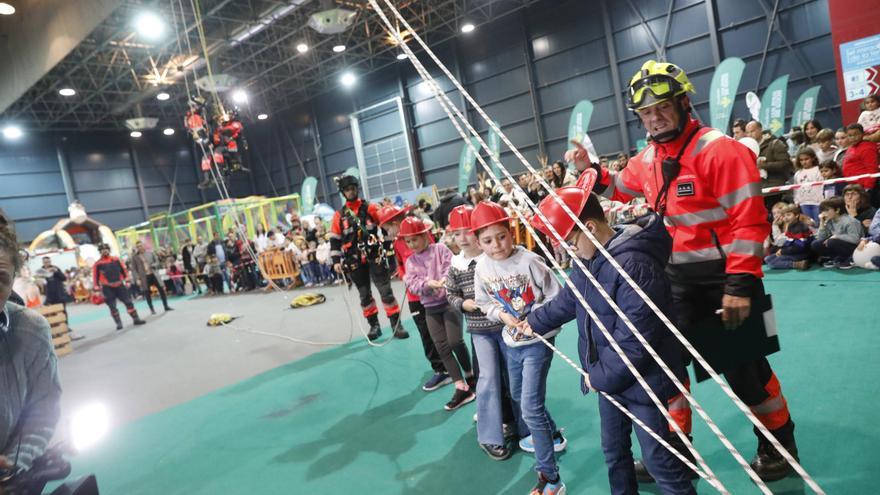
x,y
768,463
642,474
375,330
117,319
399,331
134,316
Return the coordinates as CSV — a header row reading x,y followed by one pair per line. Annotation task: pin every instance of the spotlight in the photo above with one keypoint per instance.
x,y
348,79
88,425
302,47
168,131
6,9
401,56
149,25
66,91
239,96
12,132
467,28
339,48
262,116
135,134
163,96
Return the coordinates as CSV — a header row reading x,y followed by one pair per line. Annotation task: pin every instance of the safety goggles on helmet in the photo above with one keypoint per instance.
x,y
651,90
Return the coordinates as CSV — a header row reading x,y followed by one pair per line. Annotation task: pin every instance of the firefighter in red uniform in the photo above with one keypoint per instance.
x,y
708,189
109,275
360,254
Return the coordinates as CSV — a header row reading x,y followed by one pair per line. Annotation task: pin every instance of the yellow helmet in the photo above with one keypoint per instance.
x,y
656,82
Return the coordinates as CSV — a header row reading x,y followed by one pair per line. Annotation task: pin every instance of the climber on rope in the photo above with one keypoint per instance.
x,y
229,140
708,191
110,279
361,255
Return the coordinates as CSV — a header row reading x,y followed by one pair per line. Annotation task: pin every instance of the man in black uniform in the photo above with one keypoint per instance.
x,y
360,253
109,276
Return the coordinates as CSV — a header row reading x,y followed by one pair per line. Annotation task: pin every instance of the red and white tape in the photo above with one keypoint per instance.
x,y
789,187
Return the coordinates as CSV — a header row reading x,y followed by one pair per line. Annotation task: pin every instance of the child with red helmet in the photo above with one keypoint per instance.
x,y
509,283
493,396
426,277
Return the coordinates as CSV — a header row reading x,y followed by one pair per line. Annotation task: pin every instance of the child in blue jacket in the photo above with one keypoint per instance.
x,y
642,249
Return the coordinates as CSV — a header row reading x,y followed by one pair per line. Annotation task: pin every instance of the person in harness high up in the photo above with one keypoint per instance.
x,y
109,276
360,254
707,188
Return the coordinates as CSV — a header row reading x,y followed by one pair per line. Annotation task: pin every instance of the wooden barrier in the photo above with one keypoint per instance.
x,y
57,319
276,264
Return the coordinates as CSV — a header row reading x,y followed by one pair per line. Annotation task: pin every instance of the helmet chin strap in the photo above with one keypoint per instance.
x,y
665,137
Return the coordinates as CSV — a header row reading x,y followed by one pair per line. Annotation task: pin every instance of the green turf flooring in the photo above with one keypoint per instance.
x,y
353,419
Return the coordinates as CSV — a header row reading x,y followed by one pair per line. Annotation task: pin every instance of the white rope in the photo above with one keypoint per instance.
x,y
443,99
789,187
697,356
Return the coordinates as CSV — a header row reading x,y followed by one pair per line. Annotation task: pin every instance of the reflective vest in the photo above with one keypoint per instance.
x,y
354,237
714,208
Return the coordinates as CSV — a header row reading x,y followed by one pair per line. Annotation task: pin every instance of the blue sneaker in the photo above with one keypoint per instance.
x,y
545,487
559,443
436,381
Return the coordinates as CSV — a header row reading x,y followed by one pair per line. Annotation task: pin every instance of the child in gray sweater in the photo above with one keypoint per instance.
x,y
838,234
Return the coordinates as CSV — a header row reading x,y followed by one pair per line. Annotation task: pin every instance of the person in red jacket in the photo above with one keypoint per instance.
x,y
109,276
707,189
360,254
860,157
390,217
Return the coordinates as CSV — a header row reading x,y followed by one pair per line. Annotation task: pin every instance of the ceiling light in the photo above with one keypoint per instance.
x,y
135,134
163,96
302,47
347,79
339,48
66,91
12,132
149,25
401,56
168,131
467,27
239,96
262,116
6,9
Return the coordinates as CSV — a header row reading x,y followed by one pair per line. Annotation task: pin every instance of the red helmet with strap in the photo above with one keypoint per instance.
x,y
574,197
487,213
460,218
390,212
412,226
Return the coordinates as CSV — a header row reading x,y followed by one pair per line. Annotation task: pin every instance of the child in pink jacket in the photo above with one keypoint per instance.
x,y
426,277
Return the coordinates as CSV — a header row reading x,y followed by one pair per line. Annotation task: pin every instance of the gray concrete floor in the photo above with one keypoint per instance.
x,y
176,357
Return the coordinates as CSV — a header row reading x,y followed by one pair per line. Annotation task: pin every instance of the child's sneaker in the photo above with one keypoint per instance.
x,y
459,398
436,381
844,265
559,443
829,264
545,487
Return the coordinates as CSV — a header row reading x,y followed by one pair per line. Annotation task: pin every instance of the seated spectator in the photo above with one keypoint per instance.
x,y
831,170
561,175
795,249
777,228
841,140
213,273
795,141
861,157
838,235
825,148
858,204
774,163
175,275
869,119
811,130
808,198
873,237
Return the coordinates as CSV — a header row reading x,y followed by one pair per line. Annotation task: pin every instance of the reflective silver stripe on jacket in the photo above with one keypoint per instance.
x,y
616,183
736,197
706,139
739,246
695,218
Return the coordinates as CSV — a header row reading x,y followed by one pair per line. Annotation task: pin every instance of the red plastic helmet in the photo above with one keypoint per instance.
x,y
574,197
390,212
487,213
460,218
587,180
412,226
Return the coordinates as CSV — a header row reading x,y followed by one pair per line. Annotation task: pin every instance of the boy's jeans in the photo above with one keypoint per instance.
x,y
491,351
617,445
527,367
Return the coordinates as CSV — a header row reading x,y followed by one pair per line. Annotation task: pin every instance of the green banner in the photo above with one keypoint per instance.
x,y
773,105
805,106
307,194
725,84
579,122
494,143
466,162
353,171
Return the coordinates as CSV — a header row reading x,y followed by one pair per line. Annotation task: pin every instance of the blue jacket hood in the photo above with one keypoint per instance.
x,y
646,234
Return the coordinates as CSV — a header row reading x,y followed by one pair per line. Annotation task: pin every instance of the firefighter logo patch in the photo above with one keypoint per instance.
x,y
684,189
